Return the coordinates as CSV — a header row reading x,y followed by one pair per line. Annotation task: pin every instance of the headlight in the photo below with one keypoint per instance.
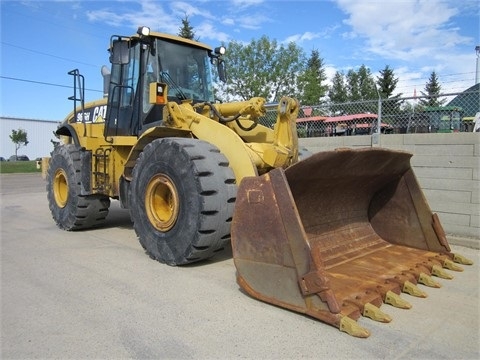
x,y
220,50
143,30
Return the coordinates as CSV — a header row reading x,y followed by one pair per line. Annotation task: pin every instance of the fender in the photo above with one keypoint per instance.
x,y
227,141
68,130
147,137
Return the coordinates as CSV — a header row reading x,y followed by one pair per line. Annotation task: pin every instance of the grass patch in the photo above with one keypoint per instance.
x,y
12,167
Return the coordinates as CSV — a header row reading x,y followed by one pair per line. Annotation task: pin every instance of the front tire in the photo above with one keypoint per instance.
x,y
182,198
70,209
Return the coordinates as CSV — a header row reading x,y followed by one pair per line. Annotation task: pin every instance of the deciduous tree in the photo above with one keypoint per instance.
x,y
261,68
19,138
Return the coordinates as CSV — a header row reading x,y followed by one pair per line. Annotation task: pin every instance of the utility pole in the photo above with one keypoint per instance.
x,y
477,73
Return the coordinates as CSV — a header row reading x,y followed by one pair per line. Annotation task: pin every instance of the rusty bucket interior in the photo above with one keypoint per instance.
x,y
338,234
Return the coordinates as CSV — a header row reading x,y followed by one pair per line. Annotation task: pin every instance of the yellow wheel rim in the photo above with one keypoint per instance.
x,y
60,188
161,202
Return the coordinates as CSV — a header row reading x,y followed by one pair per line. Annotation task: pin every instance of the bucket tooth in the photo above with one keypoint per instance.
x,y
414,290
450,265
460,259
427,280
351,327
374,313
438,271
394,299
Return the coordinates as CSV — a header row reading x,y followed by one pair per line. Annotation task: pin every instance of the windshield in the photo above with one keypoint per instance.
x,y
186,70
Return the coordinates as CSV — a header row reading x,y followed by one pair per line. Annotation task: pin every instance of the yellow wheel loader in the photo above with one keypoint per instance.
x,y
333,236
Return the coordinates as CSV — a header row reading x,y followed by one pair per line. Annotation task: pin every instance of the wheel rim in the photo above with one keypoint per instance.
x,y
161,202
60,188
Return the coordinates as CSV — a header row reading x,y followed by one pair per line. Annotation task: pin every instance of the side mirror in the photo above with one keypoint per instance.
x,y
221,70
119,52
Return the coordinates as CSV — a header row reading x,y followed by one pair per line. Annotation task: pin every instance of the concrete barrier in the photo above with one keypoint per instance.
x,y
447,167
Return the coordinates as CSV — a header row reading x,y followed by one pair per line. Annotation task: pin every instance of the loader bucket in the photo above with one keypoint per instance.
x,y
336,235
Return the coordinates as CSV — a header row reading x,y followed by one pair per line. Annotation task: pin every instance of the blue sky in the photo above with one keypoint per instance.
x,y
42,40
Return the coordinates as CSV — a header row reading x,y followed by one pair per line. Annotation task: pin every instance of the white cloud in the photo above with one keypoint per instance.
x,y
298,38
105,16
182,8
415,37
246,3
330,72
252,21
405,30
151,13
228,21
207,31
168,19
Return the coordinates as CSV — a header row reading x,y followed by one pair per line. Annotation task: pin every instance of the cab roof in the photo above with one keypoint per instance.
x,y
160,35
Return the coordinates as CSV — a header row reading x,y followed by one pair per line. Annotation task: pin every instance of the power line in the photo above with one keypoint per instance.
x,y
42,53
44,83
464,73
440,82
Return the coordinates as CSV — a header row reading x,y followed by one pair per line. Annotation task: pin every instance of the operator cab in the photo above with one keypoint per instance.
x,y
148,66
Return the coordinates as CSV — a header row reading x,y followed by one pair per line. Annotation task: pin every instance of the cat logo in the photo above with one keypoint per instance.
x,y
99,113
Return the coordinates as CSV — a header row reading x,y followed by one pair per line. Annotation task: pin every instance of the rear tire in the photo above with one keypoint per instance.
x,y
181,200
70,209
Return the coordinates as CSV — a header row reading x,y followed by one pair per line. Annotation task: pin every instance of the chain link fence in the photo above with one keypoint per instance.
x,y
393,116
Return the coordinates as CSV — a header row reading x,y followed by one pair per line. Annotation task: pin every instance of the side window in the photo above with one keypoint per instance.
x,y
150,76
123,84
131,79
194,80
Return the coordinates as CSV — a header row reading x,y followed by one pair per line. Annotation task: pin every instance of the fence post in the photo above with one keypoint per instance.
x,y
376,134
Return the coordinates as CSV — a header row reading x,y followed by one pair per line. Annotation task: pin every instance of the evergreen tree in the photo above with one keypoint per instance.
x,y
186,30
338,90
355,88
432,92
311,82
387,82
366,84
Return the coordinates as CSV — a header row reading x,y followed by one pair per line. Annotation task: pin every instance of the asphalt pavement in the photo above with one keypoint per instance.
x,y
96,295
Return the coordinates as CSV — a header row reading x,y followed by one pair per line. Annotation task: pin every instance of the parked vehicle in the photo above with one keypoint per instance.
x,y
331,236
19,158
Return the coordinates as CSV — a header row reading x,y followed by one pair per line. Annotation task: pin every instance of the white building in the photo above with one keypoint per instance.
x,y
39,136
